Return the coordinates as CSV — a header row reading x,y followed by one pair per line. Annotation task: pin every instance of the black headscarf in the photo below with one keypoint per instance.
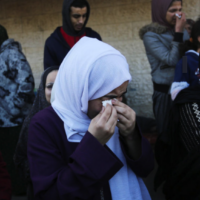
x,y
67,25
3,35
40,102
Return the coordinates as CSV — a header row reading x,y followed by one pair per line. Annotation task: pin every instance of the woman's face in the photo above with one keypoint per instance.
x,y
49,84
95,106
176,7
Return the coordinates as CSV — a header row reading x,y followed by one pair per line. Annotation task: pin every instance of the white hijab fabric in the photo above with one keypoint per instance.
x,y
91,70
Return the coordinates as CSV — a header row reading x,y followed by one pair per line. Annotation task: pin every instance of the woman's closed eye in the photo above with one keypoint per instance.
x,y
49,85
108,97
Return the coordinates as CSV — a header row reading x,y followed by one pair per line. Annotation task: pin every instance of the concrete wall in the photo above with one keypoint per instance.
x,y
117,21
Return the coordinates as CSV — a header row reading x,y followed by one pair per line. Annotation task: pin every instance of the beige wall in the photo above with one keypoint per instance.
x,y
117,21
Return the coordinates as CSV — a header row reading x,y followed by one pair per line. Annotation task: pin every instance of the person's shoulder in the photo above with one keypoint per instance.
x,y
47,115
150,34
91,33
191,55
54,36
11,45
153,29
46,125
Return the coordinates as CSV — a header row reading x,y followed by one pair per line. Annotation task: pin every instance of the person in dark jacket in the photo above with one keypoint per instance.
x,y
75,15
179,158
16,98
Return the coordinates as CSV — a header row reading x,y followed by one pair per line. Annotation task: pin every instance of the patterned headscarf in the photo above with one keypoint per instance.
x,y
3,35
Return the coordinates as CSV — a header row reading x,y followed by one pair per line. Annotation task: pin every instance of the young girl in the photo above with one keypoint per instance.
x,y
187,70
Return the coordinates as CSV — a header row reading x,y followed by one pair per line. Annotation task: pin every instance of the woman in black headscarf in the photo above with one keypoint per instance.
x,y
41,101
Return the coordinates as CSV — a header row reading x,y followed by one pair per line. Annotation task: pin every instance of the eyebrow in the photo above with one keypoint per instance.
x,y
48,84
114,96
77,15
174,9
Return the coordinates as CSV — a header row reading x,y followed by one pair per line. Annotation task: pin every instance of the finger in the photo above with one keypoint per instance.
x,y
122,119
113,119
102,110
99,115
121,127
125,111
106,114
183,14
115,102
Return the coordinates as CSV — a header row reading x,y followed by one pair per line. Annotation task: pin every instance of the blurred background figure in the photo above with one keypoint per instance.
x,y
75,15
161,40
189,24
180,166
187,69
16,97
41,101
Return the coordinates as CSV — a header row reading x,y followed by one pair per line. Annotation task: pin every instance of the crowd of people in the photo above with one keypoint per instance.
x,y
64,143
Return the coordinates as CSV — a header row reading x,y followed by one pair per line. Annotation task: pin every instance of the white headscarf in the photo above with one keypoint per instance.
x,y
91,70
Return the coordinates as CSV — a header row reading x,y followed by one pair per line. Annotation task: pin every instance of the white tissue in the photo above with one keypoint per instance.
x,y
104,103
179,16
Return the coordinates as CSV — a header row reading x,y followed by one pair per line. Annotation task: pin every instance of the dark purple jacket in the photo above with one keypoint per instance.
x,y
63,170
56,48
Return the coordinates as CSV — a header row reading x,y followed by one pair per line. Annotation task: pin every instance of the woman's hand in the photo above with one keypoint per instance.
x,y
102,127
180,23
126,119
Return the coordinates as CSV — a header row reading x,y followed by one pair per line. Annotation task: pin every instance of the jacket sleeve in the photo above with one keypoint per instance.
x,y
5,183
88,167
157,49
49,56
93,34
145,164
20,71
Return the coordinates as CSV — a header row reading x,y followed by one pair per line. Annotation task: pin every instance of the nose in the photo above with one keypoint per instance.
x,y
81,20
